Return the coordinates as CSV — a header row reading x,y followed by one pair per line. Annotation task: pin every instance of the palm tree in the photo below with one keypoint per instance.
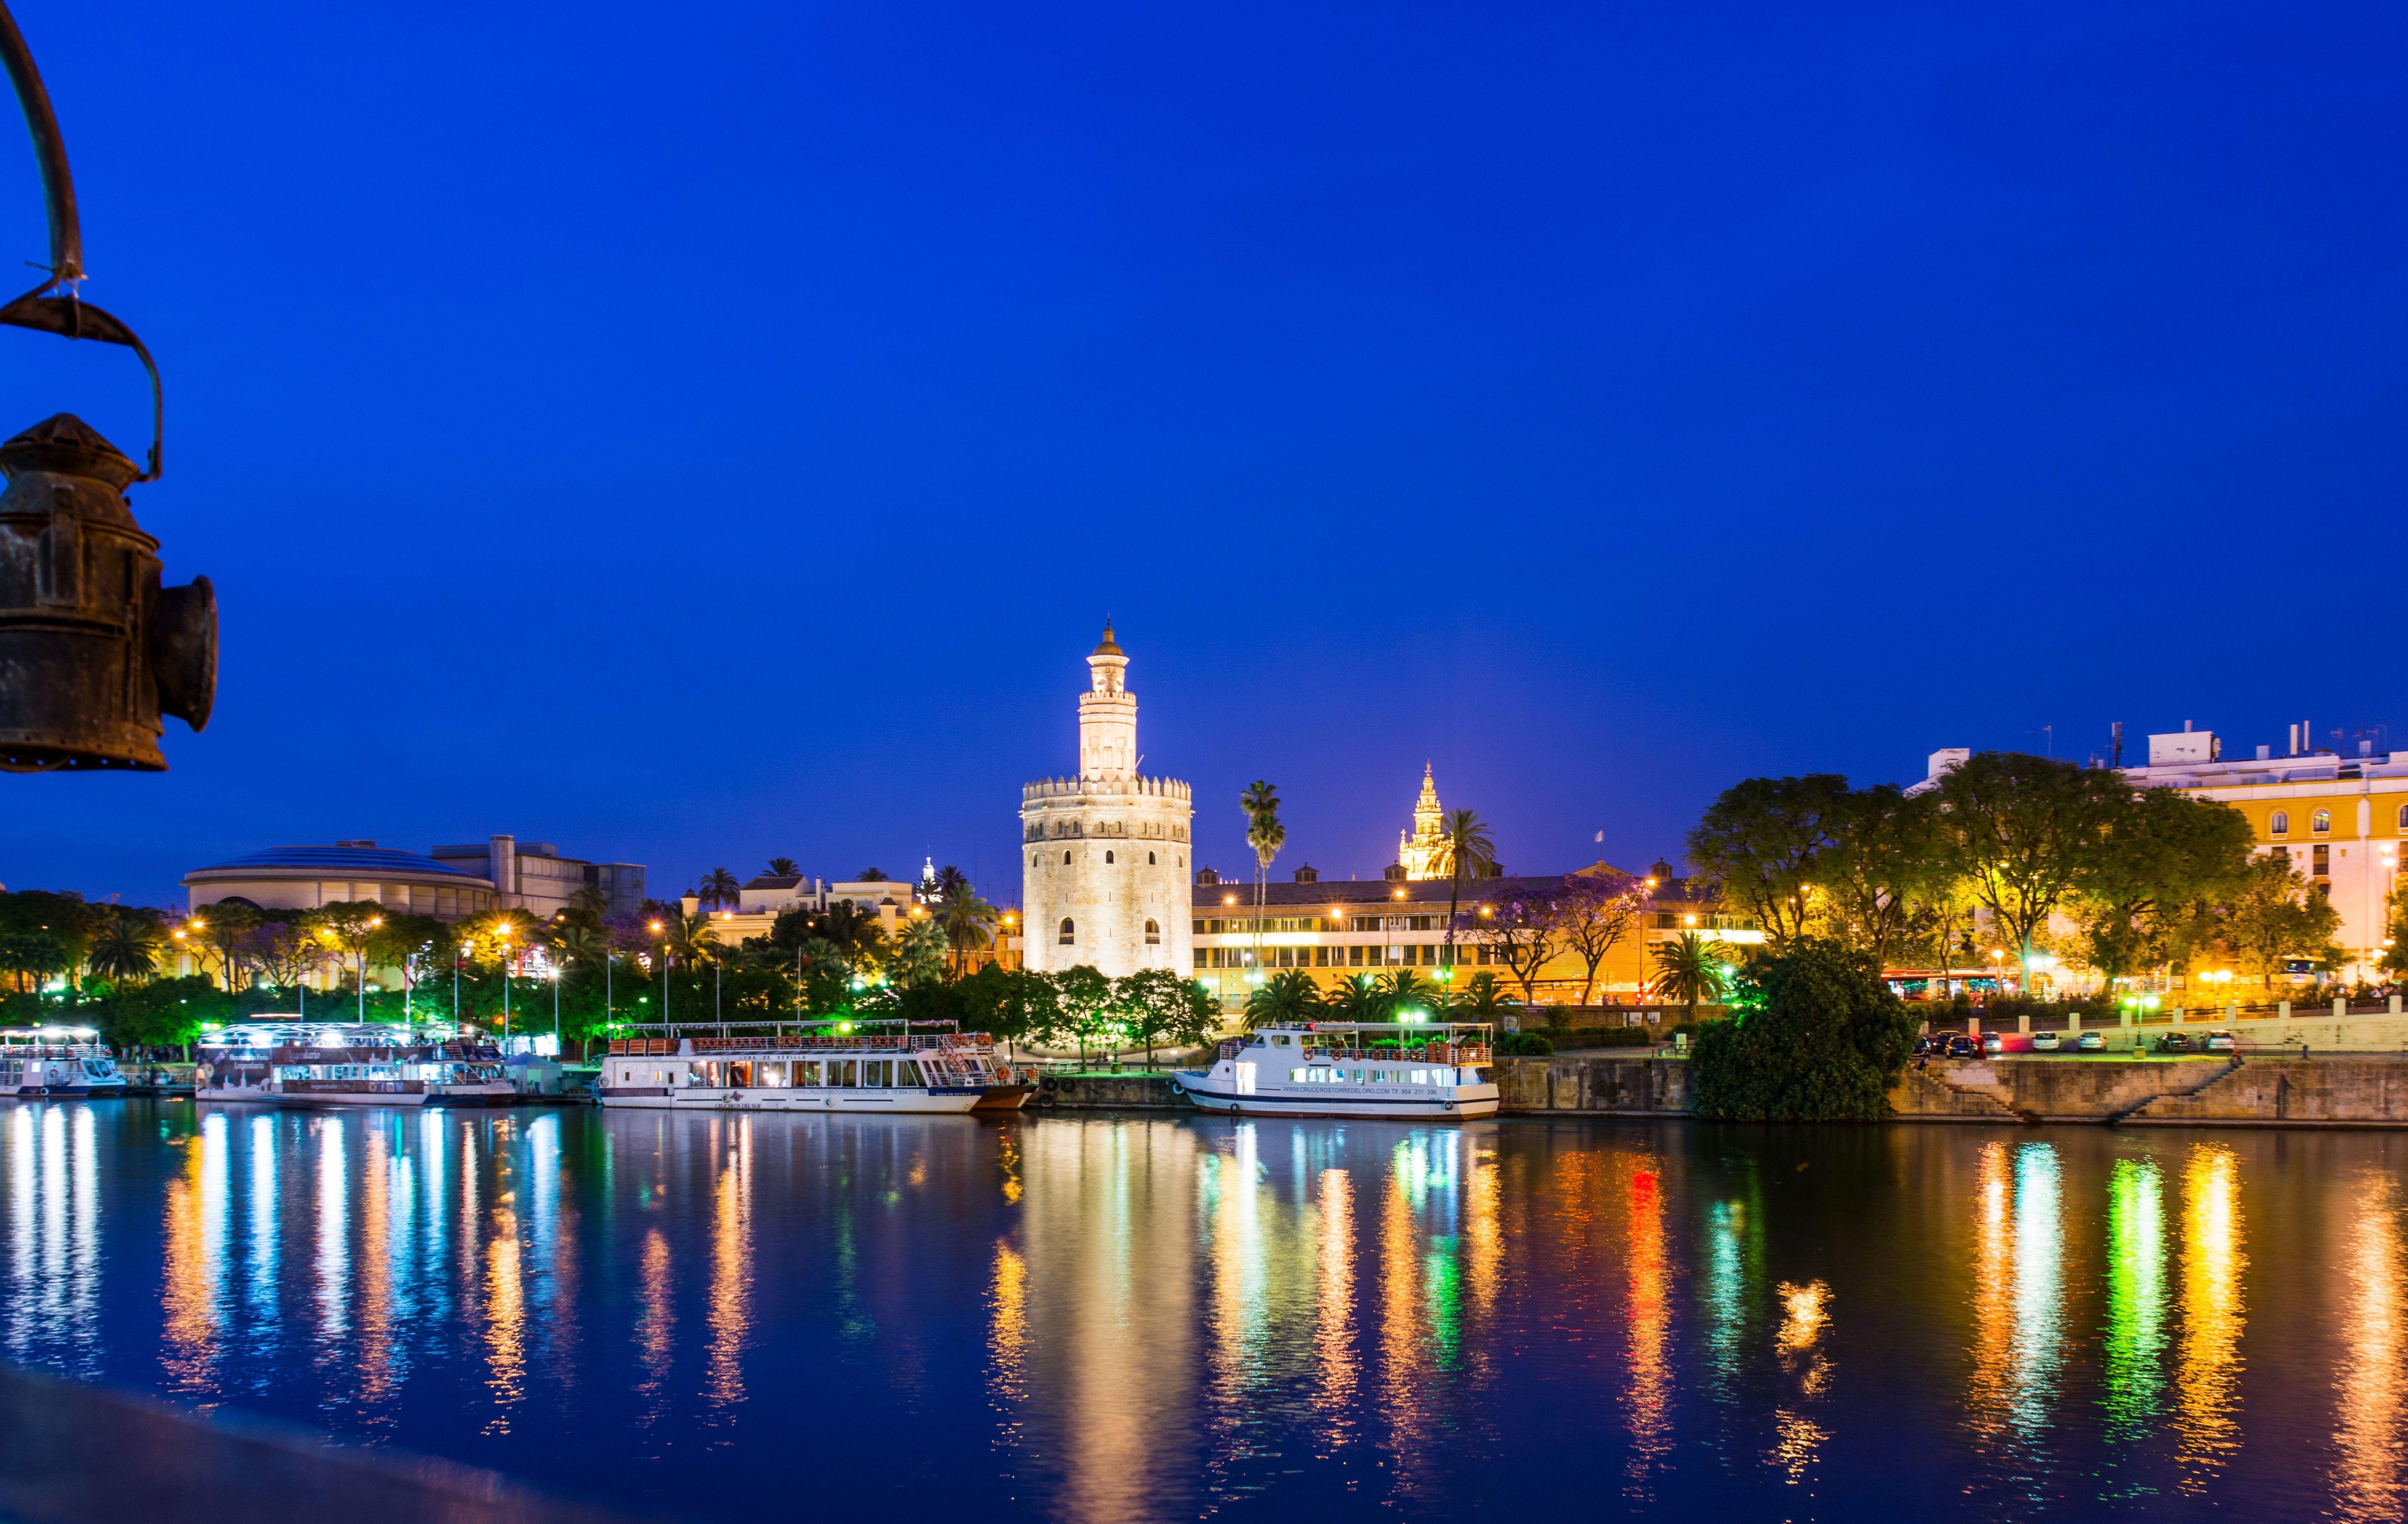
x,y
126,948
784,868
1289,996
967,921
1690,969
1266,835
1483,999
1468,849
1407,992
692,938
950,881
720,889
1360,998
576,944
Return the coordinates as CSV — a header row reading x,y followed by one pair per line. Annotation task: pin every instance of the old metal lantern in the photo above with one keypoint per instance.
x,y
93,651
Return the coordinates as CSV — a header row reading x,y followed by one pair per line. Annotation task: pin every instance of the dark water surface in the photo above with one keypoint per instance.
x,y
749,1316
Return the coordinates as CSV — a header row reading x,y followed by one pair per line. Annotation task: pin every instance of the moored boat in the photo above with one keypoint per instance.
x,y
68,1062
1428,1071
813,1066
292,1063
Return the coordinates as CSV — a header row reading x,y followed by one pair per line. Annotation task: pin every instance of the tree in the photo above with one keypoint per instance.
x,y
32,956
1265,835
2275,915
126,947
1158,1004
1760,846
784,868
693,938
347,925
1359,997
950,883
1885,848
1690,969
919,956
2395,932
1289,997
969,922
284,952
1083,997
1826,1044
873,875
1526,931
2027,832
1405,995
1467,851
2146,896
1597,913
225,929
720,889
1483,999
1015,1004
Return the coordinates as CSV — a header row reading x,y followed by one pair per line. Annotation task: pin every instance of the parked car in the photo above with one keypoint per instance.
x,y
1960,1046
2091,1042
1931,1046
2219,1042
2047,1042
1992,1044
2174,1043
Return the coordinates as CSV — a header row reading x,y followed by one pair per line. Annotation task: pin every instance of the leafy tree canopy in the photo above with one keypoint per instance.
x,y
1825,1042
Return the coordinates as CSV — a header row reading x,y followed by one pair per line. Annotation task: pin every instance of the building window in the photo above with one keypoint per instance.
x,y
2321,822
2322,865
1149,859
2280,825
1200,958
1153,934
1107,856
1032,862
2403,819
1069,935
1066,860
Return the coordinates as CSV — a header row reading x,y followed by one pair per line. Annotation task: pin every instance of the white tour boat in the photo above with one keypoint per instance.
x,y
65,1061
1420,1070
817,1066
292,1063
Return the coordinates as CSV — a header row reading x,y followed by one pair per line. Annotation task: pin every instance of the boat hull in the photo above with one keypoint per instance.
x,y
1385,1108
1004,1098
928,1100
245,1096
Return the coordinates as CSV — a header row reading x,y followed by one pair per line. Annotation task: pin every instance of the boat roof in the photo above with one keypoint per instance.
x,y
85,1033
1375,1027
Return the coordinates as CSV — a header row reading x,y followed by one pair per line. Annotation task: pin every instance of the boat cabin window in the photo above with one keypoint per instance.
x,y
873,1073
807,1073
1278,1040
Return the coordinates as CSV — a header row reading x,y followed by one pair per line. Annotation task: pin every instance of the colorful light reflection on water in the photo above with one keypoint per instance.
x,y
1118,1319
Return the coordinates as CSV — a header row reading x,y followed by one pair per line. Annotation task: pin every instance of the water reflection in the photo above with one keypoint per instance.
x,y
1175,1318
2207,1370
2370,1474
2134,1377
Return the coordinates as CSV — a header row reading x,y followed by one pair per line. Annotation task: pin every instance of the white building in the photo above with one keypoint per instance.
x,y
1106,877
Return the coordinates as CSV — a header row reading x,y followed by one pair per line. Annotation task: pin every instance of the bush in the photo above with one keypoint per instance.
x,y
1826,1044
1522,1045
2015,1007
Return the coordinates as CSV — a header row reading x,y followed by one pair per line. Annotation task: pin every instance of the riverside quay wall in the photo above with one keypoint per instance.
x,y
2344,1090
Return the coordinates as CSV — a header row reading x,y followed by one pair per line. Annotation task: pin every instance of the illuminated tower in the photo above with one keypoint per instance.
x,y
1106,877
1422,851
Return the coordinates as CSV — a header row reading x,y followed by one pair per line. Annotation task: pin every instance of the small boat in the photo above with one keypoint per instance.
x,y
1425,1070
290,1063
68,1062
810,1066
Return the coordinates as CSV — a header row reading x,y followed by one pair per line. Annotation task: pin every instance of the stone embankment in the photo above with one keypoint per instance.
x,y
2345,1090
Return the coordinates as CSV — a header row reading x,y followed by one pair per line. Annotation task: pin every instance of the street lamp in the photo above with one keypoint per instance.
x,y
665,974
501,935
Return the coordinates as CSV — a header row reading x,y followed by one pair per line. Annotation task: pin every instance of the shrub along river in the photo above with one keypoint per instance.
x,y
744,1315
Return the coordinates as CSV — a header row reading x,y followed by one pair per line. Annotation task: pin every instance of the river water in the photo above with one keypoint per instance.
x,y
743,1316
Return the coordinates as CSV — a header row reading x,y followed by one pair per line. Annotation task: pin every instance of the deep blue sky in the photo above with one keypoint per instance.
x,y
695,433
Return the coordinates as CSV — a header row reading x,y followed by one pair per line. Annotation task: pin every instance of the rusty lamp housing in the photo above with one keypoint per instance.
x,y
93,651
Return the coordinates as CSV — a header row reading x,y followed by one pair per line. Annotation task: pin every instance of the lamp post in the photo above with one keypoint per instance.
x,y
665,975
501,935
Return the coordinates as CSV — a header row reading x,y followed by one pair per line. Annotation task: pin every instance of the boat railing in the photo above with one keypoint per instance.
x,y
939,1042
1432,1053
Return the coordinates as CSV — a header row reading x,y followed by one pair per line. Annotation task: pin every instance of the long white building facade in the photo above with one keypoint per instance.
x,y
1106,881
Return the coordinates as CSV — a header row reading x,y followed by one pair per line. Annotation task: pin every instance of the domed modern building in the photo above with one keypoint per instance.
x,y
307,877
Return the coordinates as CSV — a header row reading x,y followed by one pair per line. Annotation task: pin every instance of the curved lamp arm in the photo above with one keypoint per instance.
x,y
53,306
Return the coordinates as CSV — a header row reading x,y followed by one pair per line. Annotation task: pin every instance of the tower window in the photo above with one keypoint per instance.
x,y
1107,856
1066,860
1153,934
1032,862
1069,935
2280,825
1149,856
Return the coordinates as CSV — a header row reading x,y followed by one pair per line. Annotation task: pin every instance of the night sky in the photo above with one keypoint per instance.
x,y
689,434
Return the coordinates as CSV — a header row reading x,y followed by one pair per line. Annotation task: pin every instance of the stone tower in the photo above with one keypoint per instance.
x,y
1422,851
1107,875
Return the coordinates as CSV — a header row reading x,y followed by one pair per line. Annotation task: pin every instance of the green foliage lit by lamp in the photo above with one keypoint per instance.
x,y
1826,1044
